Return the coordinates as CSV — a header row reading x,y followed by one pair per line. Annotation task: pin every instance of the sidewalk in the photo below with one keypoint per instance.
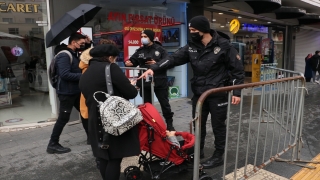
x,y
23,153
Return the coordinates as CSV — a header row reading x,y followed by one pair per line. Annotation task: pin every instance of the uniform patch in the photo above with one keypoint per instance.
x,y
141,55
216,50
238,57
157,53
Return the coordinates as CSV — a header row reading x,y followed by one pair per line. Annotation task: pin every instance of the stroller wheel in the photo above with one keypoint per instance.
x,y
130,168
205,177
134,175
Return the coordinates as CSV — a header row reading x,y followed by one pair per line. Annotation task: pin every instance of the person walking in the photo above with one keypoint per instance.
x,y
315,66
67,89
308,69
93,80
215,63
153,52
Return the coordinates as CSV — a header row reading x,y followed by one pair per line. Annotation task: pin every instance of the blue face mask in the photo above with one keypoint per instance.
x,y
145,41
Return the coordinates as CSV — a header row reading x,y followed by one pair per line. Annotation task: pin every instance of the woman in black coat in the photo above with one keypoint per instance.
x,y
94,80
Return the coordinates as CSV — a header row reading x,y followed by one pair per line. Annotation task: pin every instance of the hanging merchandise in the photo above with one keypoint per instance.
x,y
17,51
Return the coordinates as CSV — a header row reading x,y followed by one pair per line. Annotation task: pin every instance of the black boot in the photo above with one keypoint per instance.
x,y
214,161
170,125
57,148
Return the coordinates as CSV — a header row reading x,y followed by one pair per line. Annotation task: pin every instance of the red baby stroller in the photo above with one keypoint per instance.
x,y
161,155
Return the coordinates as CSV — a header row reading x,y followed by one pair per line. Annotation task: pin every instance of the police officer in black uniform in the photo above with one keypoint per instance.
x,y
148,54
215,63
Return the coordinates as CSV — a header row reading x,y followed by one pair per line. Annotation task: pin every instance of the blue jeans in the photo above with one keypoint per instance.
x,y
314,73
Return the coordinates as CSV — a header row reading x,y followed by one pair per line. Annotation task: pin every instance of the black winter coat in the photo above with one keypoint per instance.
x,y
157,53
214,65
315,62
94,80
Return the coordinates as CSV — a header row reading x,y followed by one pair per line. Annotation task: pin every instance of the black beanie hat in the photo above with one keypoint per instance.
x,y
149,33
200,23
104,50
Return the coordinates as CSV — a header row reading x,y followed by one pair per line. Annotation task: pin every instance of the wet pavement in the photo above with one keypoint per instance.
x,y
23,155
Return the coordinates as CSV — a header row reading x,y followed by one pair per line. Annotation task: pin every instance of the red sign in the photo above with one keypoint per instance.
x,y
141,19
132,38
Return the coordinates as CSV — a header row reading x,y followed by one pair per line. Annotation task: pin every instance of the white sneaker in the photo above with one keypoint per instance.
x,y
317,82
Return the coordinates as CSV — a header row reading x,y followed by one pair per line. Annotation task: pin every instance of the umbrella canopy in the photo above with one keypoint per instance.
x,y
70,23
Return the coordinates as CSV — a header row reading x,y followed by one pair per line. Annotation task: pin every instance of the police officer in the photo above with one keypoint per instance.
x,y
149,54
215,63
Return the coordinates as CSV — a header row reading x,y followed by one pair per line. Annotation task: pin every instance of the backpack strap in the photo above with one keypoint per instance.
x,y
67,52
108,79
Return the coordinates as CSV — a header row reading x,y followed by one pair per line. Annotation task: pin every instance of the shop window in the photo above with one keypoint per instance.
x,y
8,20
36,30
30,20
13,30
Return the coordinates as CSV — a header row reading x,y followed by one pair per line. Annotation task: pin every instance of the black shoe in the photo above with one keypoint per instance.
x,y
57,148
214,161
201,154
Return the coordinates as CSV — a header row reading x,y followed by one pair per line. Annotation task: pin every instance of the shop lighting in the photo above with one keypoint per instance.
x,y
222,26
220,13
255,20
269,22
239,17
214,20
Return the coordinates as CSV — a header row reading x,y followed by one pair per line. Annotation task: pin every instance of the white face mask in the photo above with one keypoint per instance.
x,y
145,41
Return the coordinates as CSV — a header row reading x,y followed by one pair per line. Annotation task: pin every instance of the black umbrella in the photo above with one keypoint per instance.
x,y
70,23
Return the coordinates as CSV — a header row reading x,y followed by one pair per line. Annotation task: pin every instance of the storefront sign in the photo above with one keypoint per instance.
x,y
174,92
234,26
254,28
19,7
141,19
17,51
132,39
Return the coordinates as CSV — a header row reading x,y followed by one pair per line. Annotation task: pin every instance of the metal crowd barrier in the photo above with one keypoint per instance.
x,y
280,104
135,71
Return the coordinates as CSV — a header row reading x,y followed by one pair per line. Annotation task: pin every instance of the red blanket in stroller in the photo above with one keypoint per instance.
x,y
153,139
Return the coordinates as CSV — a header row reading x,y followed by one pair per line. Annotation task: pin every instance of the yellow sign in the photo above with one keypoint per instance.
x,y
256,67
19,7
234,26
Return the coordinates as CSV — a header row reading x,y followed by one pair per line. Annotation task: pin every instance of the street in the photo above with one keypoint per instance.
x,y
23,153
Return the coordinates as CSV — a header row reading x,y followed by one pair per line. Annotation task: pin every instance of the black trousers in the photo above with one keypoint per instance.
x,y
110,169
67,102
162,95
217,106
